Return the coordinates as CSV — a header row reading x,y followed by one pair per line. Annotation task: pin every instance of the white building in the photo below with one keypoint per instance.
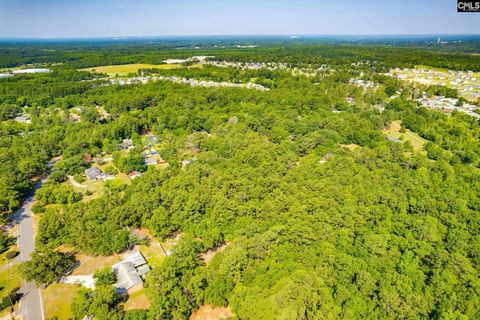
x,y
31,70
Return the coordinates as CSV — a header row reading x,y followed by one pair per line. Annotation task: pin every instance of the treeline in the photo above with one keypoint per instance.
x,y
387,56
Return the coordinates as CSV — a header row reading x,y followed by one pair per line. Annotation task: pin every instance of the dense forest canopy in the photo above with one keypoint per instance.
x,y
400,51
322,216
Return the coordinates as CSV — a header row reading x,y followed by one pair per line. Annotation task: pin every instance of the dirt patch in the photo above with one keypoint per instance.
x,y
211,253
352,147
90,264
209,312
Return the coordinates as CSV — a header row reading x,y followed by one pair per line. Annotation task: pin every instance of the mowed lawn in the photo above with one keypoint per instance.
x,y
394,131
9,279
123,69
137,299
57,299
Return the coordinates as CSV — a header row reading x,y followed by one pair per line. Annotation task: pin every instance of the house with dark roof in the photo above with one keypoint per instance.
x,y
151,161
130,271
93,173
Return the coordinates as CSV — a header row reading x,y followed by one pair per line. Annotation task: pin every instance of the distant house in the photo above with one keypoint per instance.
x,y
23,119
127,144
151,152
134,174
130,270
31,70
151,161
394,139
93,173
175,61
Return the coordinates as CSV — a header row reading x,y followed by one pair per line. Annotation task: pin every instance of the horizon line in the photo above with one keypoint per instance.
x,y
243,35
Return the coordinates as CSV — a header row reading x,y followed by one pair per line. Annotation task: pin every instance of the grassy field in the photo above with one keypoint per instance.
x,y
9,279
153,253
94,187
394,131
137,299
124,69
57,299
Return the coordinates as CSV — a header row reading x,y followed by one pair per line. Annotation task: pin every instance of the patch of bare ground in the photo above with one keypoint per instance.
x,y
87,264
209,312
352,147
212,252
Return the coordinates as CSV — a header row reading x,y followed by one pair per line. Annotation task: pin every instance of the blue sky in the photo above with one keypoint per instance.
x,y
113,18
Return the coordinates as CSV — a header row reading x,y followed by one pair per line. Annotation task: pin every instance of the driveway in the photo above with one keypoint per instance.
x,y
31,306
75,183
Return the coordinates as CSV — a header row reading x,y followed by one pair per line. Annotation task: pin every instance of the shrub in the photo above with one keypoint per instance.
x,y
11,254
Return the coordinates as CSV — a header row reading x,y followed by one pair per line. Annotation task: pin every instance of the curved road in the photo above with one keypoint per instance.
x,y
31,306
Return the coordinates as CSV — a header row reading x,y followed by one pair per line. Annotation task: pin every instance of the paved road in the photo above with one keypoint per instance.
x,y
31,303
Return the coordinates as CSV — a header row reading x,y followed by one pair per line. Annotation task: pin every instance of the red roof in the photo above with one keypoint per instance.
x,y
134,174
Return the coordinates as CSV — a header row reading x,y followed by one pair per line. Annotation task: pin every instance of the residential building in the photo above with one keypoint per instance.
x,y
131,270
93,173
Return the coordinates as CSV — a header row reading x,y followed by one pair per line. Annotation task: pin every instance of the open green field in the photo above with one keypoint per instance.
x,y
9,279
123,69
57,299
137,300
394,131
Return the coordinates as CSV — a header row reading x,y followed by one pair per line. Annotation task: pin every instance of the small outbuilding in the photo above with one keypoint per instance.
x,y
394,139
127,144
134,174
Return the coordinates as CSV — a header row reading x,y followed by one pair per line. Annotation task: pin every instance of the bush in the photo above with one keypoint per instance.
x,y
110,169
37,208
79,177
11,254
57,176
5,241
